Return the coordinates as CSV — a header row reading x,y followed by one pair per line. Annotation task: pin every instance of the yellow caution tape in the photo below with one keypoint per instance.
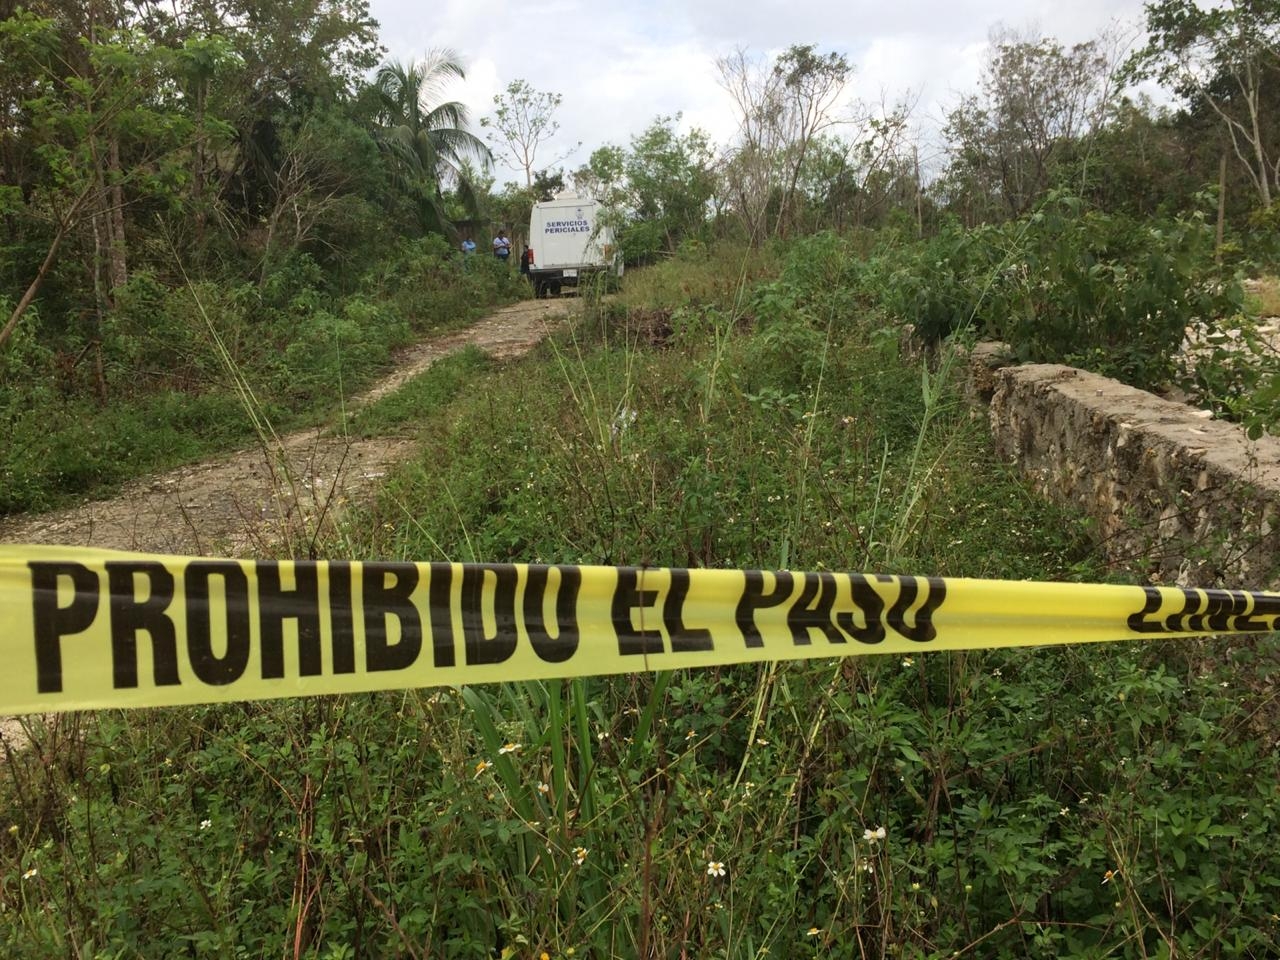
x,y
84,629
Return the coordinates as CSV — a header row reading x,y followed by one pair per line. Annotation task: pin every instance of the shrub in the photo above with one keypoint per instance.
x,y
1105,292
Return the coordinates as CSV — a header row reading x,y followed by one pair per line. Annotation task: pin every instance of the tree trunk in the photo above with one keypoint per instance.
x,y
1222,204
197,163
118,274
63,228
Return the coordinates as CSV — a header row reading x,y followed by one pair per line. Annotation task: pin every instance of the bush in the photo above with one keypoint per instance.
x,y
434,287
1104,292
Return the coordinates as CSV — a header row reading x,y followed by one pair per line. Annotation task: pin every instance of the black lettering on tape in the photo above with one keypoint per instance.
x,y
683,639
562,646
1138,621
871,604
755,597
1221,607
53,622
341,617
276,605
1263,615
129,615
909,588
441,614
384,601
208,667
813,610
626,598
1206,611
480,647
1191,603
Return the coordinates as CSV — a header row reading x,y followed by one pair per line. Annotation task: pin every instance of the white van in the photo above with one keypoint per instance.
x,y
567,242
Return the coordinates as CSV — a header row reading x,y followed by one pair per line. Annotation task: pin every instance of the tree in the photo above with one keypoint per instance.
x,y
97,127
287,59
1039,101
670,180
602,175
428,141
782,107
1222,58
858,179
658,191
811,85
524,119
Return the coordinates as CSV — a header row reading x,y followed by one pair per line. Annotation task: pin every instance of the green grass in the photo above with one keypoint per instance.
x,y
422,396
178,366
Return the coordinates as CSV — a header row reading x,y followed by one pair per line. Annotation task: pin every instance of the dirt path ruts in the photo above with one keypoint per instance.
x,y
250,502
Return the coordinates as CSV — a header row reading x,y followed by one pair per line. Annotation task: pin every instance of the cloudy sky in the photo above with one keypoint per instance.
x,y
618,65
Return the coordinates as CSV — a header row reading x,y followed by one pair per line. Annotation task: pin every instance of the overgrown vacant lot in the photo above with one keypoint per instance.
x,y
733,411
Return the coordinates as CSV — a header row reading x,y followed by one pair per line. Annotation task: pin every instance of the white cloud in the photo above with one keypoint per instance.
x,y
618,66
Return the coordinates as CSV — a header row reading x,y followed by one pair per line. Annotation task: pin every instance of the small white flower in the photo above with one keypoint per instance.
x,y
996,672
1064,811
543,788
878,833
206,824
812,932
482,766
715,868
908,662
690,735
30,873
761,742
509,748
579,856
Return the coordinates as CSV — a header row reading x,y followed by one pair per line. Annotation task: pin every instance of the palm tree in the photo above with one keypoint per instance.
x,y
428,141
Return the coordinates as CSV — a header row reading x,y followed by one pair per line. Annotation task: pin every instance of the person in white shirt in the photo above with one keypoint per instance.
x,y
502,246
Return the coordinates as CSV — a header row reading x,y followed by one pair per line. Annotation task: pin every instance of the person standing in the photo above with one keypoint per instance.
x,y
468,246
502,246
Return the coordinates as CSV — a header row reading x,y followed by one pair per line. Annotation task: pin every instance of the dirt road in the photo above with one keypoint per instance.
x,y
249,502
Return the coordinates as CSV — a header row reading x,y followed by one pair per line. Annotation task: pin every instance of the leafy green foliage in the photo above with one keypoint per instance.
x,y
1105,292
658,190
428,141
431,391
523,119
300,347
1219,60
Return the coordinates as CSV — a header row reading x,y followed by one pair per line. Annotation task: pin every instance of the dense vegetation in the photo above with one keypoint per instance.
x,y
256,175
1104,801
206,203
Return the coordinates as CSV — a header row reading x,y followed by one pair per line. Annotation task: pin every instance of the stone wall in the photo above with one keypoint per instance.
x,y
1181,497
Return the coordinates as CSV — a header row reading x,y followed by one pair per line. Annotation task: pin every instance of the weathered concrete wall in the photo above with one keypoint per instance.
x,y
1189,499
